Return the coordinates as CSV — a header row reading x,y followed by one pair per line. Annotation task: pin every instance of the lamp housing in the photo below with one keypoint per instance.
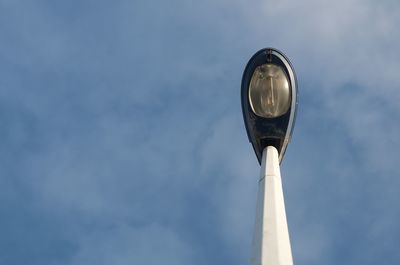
x,y
269,101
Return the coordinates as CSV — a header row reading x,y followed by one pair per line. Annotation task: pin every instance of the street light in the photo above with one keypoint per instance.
x,y
269,101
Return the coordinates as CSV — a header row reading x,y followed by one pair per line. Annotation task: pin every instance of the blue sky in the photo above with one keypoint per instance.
x,y
122,140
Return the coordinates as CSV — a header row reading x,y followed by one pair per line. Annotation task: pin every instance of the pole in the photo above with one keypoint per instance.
x,y
271,243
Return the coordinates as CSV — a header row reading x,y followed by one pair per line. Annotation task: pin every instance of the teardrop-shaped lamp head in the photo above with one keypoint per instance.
x,y
269,100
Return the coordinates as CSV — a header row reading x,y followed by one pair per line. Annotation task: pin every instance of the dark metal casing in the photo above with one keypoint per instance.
x,y
263,132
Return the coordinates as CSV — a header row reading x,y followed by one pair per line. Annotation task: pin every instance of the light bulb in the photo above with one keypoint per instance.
x,y
269,92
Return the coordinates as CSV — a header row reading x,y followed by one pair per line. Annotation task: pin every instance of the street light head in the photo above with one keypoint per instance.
x,y
269,100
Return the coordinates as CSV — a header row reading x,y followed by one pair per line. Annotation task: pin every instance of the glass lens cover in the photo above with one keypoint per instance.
x,y
269,92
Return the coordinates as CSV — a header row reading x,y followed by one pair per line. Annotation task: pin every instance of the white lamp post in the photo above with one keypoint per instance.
x,y
269,101
271,244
